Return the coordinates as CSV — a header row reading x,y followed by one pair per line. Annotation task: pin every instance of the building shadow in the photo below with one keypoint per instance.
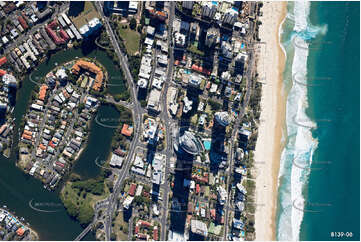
x,y
179,201
127,214
218,156
12,96
75,8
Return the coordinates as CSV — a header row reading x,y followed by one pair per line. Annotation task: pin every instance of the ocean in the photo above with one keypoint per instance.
x,y
319,177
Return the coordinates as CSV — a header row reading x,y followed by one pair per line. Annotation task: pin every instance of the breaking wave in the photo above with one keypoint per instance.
x,y
300,144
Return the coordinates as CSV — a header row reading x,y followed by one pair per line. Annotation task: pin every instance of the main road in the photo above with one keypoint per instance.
x,y
164,116
113,198
234,136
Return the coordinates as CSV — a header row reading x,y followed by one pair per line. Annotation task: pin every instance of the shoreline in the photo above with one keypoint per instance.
x,y
32,232
273,109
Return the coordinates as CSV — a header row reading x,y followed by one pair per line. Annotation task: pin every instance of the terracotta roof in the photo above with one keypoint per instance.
x,y
92,68
126,130
213,213
27,132
42,92
155,234
25,136
23,22
51,144
201,69
145,223
20,231
132,189
3,60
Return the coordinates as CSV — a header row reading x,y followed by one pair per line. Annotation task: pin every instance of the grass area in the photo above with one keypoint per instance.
x,y
121,227
203,83
130,37
206,191
208,109
194,119
195,50
88,13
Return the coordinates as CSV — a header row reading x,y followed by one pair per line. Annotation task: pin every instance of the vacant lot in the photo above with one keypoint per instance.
x,y
130,37
121,228
82,13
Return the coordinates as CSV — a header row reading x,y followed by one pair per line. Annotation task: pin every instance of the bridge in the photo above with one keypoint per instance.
x,y
84,232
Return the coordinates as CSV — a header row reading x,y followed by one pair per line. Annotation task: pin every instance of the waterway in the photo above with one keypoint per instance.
x,y
98,147
17,189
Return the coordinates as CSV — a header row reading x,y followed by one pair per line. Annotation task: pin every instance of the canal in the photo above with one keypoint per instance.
x,y
22,193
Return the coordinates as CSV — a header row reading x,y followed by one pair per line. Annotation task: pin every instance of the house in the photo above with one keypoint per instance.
x,y
127,202
116,160
132,188
3,60
127,130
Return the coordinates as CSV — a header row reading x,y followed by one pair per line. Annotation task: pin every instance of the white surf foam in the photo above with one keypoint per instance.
x,y
301,145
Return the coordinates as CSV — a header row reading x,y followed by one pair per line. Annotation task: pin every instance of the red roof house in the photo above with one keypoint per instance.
x,y
197,188
3,60
132,189
127,130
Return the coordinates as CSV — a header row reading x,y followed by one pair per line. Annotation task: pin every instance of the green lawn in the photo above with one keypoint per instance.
x,y
89,12
131,38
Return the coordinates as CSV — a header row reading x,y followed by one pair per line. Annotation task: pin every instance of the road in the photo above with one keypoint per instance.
x,y
136,110
33,30
164,116
245,102
110,99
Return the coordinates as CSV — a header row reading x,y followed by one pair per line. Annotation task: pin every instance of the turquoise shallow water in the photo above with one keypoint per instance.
x,y
320,165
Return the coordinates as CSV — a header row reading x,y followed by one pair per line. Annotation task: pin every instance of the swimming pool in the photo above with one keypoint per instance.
x,y
207,144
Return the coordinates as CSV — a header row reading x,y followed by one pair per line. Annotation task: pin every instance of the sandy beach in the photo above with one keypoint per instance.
x,y
273,103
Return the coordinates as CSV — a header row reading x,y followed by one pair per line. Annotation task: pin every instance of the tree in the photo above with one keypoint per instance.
x,y
86,213
139,29
215,106
143,103
71,208
133,24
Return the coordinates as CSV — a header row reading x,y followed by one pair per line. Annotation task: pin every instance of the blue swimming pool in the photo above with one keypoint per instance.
x,y
207,144
186,71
